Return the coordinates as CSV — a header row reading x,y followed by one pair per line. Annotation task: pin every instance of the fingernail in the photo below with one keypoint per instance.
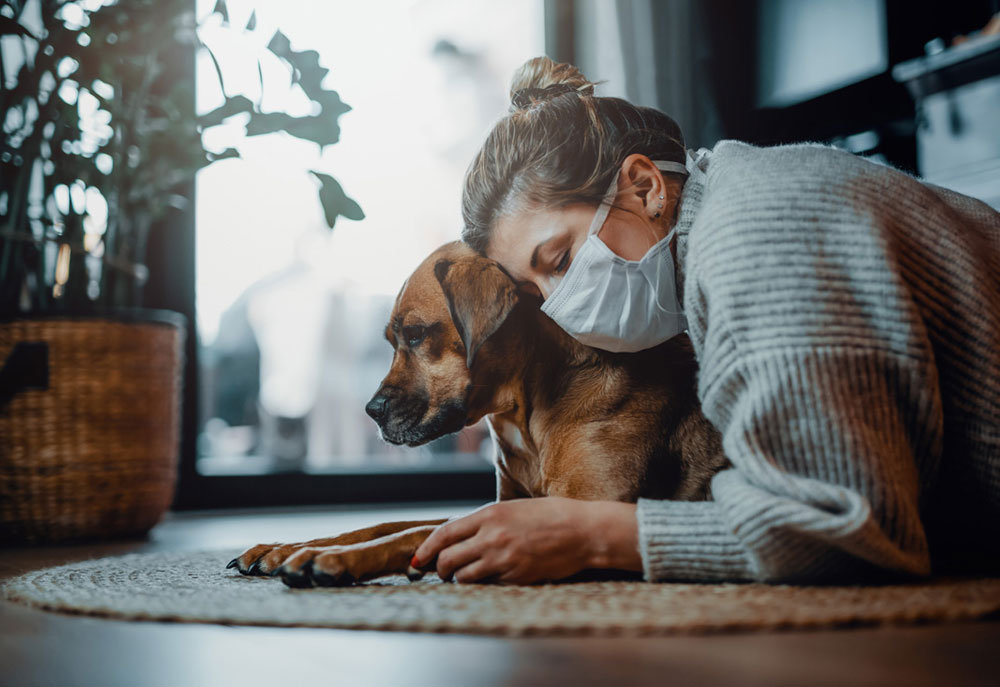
x,y
414,562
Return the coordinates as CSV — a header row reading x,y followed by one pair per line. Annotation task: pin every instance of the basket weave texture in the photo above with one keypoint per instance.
x,y
94,456
195,586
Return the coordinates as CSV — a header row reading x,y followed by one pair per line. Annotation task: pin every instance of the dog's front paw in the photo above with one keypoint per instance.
x,y
335,566
263,559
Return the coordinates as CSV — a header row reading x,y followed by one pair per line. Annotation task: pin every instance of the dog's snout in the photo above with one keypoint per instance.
x,y
377,407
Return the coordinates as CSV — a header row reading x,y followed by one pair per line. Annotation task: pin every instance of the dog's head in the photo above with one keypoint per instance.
x,y
445,312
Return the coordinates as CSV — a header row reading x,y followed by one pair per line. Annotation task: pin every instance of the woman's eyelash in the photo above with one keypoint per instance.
x,y
563,261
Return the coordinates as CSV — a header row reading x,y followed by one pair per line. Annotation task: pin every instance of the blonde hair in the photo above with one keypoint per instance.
x,y
558,145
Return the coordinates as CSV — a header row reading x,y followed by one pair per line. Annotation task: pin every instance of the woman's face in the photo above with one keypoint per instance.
x,y
537,247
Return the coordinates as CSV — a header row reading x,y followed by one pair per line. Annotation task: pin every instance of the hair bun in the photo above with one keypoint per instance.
x,y
541,79
526,97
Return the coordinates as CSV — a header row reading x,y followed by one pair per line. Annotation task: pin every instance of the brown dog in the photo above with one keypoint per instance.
x,y
567,420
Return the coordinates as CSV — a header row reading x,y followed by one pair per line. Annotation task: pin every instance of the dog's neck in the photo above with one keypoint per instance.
x,y
530,357
528,353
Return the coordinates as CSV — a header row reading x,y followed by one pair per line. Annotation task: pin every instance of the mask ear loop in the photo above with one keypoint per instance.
x,y
662,259
680,168
604,208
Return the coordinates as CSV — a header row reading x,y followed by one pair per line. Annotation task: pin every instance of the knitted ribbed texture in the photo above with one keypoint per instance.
x,y
846,318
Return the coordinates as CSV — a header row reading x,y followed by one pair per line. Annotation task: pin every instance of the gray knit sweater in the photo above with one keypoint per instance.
x,y
846,318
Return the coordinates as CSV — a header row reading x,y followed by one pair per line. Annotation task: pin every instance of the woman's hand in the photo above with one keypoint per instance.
x,y
530,540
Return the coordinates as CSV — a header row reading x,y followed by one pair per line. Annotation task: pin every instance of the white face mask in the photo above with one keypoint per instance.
x,y
620,305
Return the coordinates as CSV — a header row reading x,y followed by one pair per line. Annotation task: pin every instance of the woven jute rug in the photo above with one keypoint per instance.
x,y
196,587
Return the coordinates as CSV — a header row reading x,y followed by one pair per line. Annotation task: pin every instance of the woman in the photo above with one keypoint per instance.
x,y
846,319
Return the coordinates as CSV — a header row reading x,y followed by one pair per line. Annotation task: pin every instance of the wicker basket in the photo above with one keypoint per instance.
x,y
89,424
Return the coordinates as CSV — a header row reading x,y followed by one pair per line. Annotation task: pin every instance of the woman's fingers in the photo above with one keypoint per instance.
x,y
458,555
444,536
477,571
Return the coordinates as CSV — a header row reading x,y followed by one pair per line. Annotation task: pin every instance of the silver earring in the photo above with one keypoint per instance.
x,y
661,197
656,216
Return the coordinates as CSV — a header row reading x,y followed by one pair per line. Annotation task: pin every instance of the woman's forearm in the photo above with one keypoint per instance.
x,y
614,536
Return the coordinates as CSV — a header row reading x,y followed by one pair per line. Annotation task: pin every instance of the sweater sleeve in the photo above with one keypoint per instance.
x,y
824,484
816,368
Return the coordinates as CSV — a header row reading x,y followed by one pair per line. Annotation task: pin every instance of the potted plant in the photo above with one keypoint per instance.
x,y
99,143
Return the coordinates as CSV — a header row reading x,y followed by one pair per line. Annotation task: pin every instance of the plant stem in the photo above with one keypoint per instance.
x,y
17,205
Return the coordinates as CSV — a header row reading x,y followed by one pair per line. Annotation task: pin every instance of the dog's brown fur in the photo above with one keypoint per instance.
x,y
567,420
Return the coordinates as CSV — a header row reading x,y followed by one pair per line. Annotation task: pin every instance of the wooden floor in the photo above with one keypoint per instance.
x,y
39,648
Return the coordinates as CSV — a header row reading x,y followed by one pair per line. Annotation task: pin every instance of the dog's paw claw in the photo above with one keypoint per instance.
x,y
324,580
296,580
255,568
233,563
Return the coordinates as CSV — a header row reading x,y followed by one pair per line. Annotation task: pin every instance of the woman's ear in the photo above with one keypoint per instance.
x,y
643,180
656,193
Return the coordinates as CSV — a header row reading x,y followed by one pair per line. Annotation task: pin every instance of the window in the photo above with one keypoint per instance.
x,y
289,314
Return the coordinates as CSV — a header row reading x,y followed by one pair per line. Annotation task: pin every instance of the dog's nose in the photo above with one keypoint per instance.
x,y
376,408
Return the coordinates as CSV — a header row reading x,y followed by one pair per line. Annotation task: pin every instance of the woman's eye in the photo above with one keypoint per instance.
x,y
563,263
414,334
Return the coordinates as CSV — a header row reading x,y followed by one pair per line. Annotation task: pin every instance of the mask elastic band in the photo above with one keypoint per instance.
x,y
604,208
668,256
669,166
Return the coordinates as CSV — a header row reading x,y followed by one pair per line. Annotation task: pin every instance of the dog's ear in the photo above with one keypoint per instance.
x,y
480,296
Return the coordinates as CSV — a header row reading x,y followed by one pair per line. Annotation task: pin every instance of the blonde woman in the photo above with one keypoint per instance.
x,y
845,316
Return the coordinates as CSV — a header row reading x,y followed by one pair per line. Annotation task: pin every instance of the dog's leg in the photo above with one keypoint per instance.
x,y
264,559
339,565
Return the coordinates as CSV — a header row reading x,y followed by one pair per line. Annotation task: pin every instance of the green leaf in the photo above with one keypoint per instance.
x,y
309,73
220,8
306,69
319,129
335,202
233,106
322,129
279,44
267,122
330,104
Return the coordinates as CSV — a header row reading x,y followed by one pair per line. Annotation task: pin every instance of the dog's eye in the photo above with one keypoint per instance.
x,y
414,334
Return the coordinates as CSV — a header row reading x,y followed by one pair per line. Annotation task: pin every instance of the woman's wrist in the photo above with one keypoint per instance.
x,y
613,536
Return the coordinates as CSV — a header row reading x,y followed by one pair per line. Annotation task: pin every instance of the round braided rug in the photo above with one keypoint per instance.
x,y
196,587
